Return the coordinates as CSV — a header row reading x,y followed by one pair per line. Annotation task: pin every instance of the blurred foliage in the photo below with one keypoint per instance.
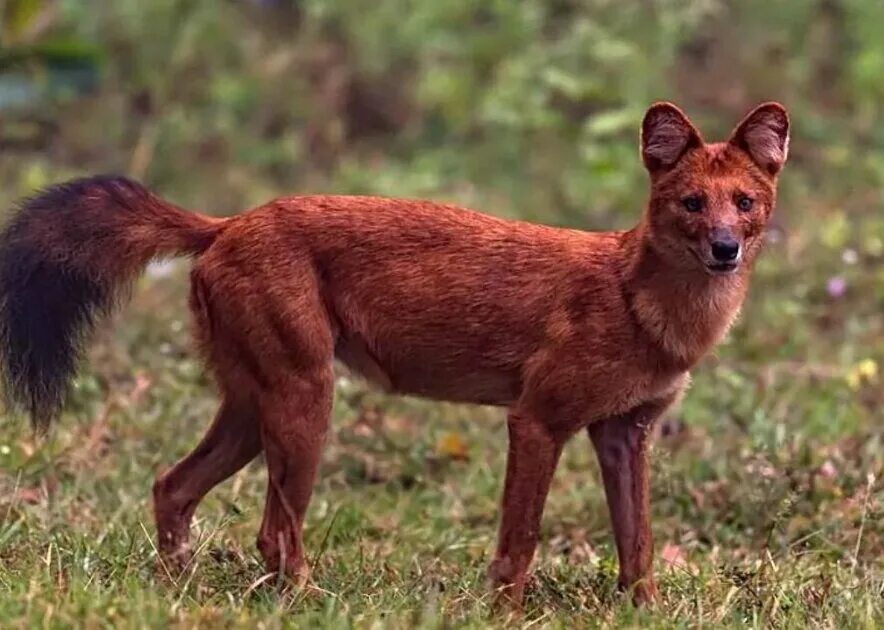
x,y
535,101
527,108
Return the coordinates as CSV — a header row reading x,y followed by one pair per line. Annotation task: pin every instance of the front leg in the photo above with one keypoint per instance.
x,y
621,444
533,454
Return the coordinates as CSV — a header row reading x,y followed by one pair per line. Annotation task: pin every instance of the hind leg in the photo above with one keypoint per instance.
x,y
231,442
294,424
260,300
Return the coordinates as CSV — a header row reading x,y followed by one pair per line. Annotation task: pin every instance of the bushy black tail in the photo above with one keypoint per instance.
x,y
66,255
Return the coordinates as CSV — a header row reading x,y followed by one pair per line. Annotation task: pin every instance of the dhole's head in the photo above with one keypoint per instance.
x,y
710,202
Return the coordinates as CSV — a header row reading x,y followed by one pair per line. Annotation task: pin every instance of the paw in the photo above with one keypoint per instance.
x,y
172,561
644,593
507,587
297,575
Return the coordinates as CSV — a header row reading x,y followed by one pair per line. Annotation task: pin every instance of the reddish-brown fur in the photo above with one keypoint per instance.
x,y
567,329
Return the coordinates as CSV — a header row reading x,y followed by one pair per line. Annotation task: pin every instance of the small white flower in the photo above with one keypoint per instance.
x,y
160,268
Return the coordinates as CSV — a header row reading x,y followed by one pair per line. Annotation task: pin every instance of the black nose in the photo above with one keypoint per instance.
x,y
725,250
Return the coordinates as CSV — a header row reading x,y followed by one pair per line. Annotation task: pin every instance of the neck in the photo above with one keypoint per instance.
x,y
685,311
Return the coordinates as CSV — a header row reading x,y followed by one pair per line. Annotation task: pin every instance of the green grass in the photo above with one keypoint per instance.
x,y
766,510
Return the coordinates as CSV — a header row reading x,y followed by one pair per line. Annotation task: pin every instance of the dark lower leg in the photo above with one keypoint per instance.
x,y
531,462
231,442
621,444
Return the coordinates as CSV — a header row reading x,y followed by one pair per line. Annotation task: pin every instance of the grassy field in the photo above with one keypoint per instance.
x,y
768,481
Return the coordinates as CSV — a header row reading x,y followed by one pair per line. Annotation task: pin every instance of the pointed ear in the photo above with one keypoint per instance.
x,y
764,135
666,135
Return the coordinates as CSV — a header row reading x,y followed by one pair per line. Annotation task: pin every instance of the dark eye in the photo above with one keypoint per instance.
x,y
744,203
692,204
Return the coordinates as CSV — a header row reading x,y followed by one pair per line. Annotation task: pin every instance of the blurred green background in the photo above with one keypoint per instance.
x,y
767,495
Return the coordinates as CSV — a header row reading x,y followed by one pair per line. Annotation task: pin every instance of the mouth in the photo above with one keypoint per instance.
x,y
722,269
716,268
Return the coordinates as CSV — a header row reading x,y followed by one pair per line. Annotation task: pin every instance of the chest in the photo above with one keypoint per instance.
x,y
630,385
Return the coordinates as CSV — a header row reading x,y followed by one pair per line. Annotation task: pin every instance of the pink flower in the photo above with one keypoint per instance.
x,y
837,286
